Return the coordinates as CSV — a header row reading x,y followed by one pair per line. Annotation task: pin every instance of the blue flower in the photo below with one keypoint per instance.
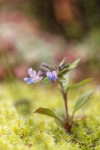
x,y
52,75
34,77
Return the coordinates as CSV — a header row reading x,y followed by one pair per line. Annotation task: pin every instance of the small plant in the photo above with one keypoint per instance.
x,y
57,74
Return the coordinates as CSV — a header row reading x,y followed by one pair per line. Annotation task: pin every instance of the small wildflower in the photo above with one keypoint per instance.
x,y
34,77
60,73
52,75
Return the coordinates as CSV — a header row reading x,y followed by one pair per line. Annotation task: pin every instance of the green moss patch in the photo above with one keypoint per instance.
x,y
20,129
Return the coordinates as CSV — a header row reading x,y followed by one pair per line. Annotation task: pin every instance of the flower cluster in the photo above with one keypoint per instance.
x,y
47,72
44,72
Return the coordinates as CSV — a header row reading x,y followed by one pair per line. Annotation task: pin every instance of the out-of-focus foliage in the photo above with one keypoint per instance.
x,y
73,16
44,30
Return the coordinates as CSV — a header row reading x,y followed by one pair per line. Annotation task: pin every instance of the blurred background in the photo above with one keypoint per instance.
x,y
35,31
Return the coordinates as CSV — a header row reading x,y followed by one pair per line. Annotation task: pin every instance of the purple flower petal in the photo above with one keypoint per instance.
x,y
34,77
29,80
48,74
38,78
52,75
32,73
26,79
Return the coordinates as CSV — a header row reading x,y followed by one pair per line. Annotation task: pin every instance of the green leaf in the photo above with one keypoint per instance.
x,y
70,67
83,99
45,80
47,112
62,79
74,64
63,72
81,83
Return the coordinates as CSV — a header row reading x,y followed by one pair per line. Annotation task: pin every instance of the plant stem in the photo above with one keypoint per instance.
x,y
66,105
71,120
65,101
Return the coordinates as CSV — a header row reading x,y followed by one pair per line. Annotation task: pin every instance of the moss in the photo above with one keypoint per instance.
x,y
37,132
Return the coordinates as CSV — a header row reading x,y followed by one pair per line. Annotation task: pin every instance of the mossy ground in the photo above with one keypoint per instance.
x,y
20,129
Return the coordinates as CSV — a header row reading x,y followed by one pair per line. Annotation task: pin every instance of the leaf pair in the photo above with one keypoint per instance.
x,y
83,99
